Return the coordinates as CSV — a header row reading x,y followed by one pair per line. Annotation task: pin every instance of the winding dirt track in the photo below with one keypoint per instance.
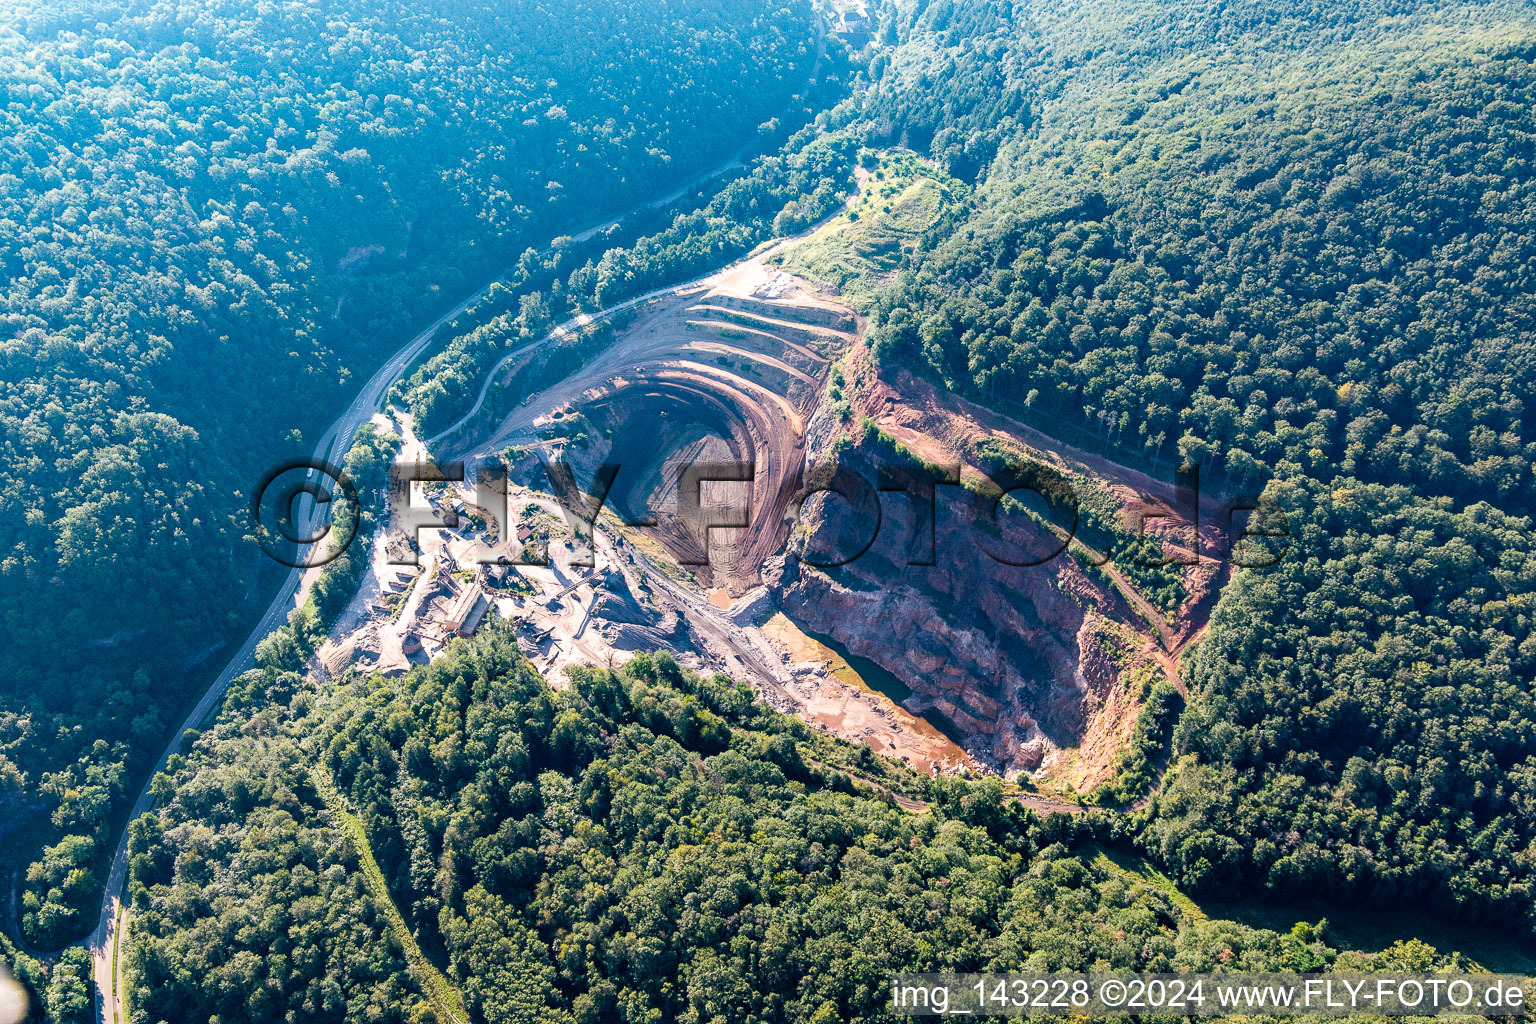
x,y
103,942
736,360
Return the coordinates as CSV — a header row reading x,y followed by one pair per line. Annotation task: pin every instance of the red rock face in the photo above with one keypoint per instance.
x,y
1030,662
993,647
1033,663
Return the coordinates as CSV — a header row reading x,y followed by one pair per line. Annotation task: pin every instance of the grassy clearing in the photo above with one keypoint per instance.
x,y
1373,929
860,248
1368,929
1144,872
439,990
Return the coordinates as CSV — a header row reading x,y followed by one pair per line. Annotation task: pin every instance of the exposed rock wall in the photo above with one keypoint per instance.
x,y
1021,658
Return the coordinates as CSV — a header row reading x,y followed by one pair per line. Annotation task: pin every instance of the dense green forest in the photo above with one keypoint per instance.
x,y
807,179
648,845
218,218
1295,246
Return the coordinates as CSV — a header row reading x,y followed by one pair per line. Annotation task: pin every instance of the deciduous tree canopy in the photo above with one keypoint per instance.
x,y
1292,245
216,219
638,846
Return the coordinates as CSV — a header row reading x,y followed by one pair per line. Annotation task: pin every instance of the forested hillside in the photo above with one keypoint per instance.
x,y
218,218
1292,244
1295,246
648,845
784,192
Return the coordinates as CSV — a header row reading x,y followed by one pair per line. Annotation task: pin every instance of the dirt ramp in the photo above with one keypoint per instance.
x,y
727,376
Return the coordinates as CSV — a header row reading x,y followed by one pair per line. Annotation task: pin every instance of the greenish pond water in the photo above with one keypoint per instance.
x,y
878,678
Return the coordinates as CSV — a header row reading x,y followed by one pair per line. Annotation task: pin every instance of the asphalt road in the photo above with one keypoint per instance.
x,y
332,447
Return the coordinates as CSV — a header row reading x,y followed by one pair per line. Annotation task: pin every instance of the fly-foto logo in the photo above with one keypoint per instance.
x,y
306,512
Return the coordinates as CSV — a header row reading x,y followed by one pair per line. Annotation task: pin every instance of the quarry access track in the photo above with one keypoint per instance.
x,y
729,368
105,942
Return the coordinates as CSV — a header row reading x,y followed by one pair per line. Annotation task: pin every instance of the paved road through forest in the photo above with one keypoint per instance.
x,y
332,447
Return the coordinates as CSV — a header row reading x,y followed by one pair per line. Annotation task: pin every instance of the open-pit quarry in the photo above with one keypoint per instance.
x,y
724,372
972,663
